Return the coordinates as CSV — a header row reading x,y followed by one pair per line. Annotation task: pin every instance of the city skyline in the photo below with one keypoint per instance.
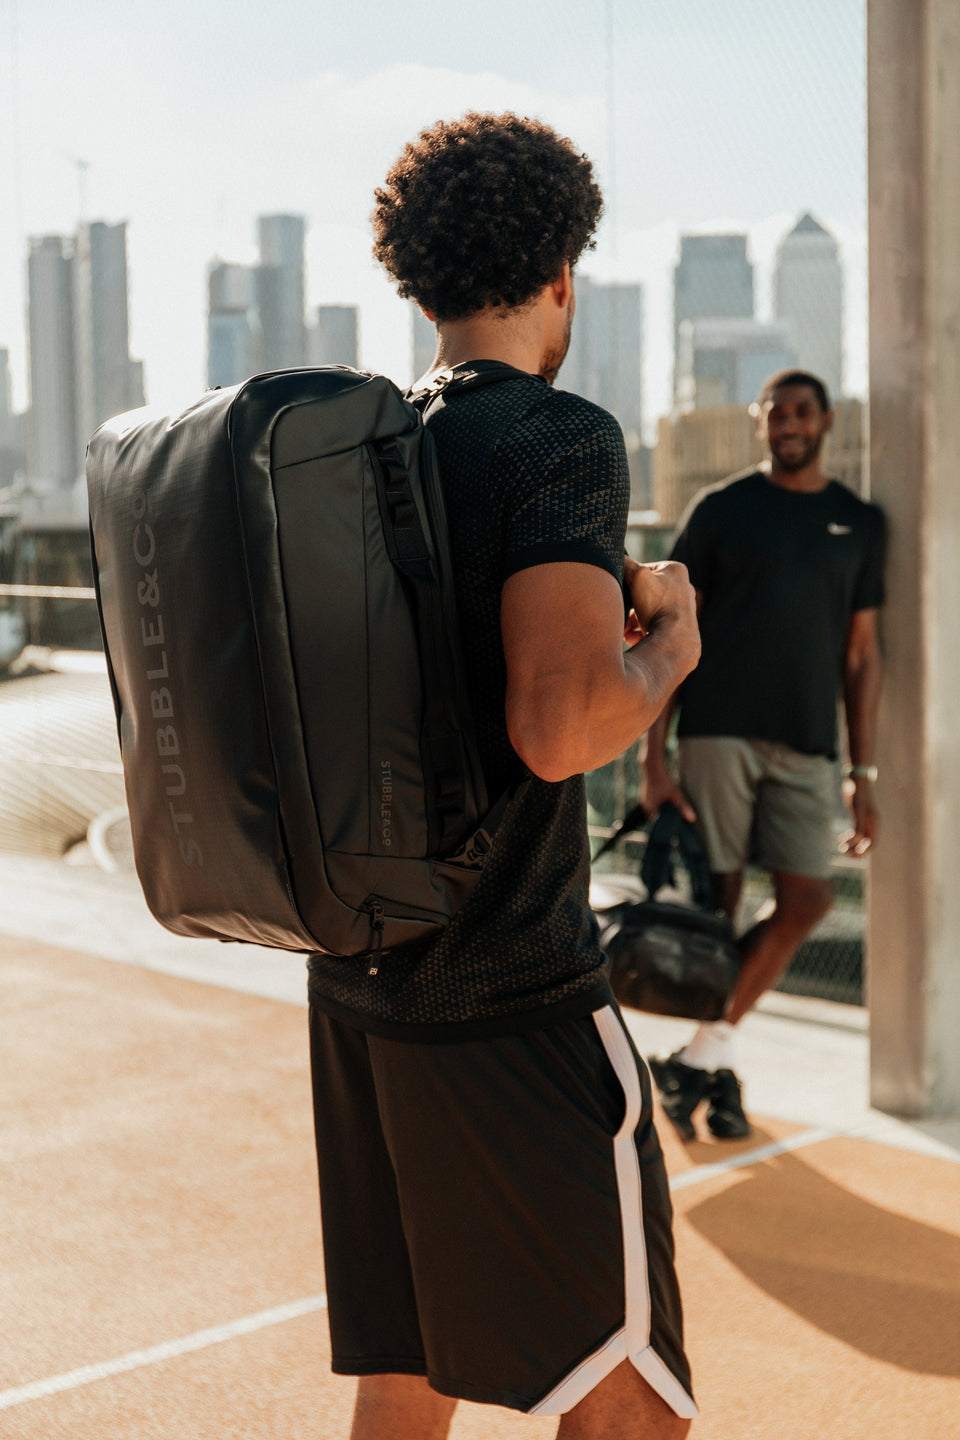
x,y
194,128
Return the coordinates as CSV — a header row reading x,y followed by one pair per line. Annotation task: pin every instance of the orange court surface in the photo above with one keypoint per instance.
x,y
159,1221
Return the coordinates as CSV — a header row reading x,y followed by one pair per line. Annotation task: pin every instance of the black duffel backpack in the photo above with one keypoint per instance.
x,y
664,957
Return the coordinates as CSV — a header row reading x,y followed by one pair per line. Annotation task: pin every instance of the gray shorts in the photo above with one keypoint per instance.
x,y
762,802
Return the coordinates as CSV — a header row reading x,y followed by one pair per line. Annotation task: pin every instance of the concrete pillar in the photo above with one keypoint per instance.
x,y
914,214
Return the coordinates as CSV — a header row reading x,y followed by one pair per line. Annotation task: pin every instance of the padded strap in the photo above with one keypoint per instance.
x,y
406,543
459,380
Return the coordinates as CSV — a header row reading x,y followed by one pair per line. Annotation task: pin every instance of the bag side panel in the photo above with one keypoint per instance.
x,y
178,630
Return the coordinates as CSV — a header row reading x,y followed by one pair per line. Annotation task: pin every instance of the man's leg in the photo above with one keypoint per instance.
x,y
767,949
685,1078
800,901
400,1407
793,826
705,1067
622,1407
720,774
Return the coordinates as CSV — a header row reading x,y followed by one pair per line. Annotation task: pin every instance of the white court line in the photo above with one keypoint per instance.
x,y
87,1374
752,1157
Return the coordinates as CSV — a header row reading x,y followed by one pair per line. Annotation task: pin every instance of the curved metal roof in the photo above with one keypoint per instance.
x,y
59,759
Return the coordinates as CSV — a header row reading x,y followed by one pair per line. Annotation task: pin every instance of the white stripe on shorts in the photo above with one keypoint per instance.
x,y
633,1340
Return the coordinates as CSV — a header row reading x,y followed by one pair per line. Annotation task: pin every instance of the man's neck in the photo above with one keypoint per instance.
x,y
810,479
485,338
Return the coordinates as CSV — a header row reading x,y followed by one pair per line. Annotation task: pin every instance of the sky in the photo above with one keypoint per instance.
x,y
193,118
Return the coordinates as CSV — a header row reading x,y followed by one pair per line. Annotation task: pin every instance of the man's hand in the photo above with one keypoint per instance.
x,y
658,788
662,592
859,797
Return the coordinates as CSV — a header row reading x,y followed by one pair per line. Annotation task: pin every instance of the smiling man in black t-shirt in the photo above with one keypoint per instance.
x,y
496,1215
788,569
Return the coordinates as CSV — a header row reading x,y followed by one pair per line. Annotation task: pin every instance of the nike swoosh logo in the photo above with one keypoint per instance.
x,y
835,529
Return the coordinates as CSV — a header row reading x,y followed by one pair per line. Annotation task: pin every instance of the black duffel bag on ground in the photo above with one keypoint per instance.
x,y
667,958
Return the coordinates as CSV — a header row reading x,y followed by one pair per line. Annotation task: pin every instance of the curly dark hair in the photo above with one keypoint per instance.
x,y
483,211
795,377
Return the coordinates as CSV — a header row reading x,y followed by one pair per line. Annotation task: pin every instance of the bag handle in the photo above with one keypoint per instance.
x,y
670,839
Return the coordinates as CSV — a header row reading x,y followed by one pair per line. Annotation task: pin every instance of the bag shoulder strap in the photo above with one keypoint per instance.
x,y
460,379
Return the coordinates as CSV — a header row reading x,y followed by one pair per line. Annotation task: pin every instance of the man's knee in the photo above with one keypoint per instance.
x,y
803,900
624,1406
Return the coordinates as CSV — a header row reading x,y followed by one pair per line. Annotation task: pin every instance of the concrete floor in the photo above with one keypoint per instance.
x,y
159,1230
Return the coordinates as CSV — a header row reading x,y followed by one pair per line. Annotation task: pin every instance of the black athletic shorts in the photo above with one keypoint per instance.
x,y
496,1214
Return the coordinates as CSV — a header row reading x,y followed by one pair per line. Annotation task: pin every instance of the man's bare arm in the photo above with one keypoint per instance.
x,y
862,683
575,697
657,785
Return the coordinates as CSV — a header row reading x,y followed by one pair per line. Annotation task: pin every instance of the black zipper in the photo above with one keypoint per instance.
x,y
375,910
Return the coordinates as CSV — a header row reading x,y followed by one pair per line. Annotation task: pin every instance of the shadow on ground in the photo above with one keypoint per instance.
x,y
879,1281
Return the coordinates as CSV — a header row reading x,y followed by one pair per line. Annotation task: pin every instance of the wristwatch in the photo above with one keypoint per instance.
x,y
862,772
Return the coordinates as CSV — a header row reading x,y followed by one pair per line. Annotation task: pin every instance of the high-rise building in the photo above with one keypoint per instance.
x,y
233,326
808,295
11,427
107,380
725,362
713,280
604,362
332,340
424,342
280,292
6,389
53,452
80,367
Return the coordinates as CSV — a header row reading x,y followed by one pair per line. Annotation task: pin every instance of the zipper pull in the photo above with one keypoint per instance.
x,y
376,925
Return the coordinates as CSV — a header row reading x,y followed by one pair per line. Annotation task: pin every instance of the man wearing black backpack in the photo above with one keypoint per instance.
x,y
497,1223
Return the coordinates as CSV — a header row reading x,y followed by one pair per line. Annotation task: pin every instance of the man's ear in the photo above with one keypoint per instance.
x,y
562,287
427,315
828,422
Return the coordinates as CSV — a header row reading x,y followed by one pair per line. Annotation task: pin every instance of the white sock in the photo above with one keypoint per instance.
x,y
712,1048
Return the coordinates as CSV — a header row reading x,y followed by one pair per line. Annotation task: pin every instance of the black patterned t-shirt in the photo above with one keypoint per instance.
x,y
530,475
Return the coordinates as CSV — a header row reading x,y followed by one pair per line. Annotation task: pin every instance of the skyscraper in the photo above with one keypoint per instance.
x,y
332,340
6,390
107,380
424,342
53,451
280,292
808,294
725,362
80,367
604,362
233,325
11,427
713,280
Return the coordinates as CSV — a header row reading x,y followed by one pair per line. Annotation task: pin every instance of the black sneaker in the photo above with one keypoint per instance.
x,y
681,1087
725,1116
